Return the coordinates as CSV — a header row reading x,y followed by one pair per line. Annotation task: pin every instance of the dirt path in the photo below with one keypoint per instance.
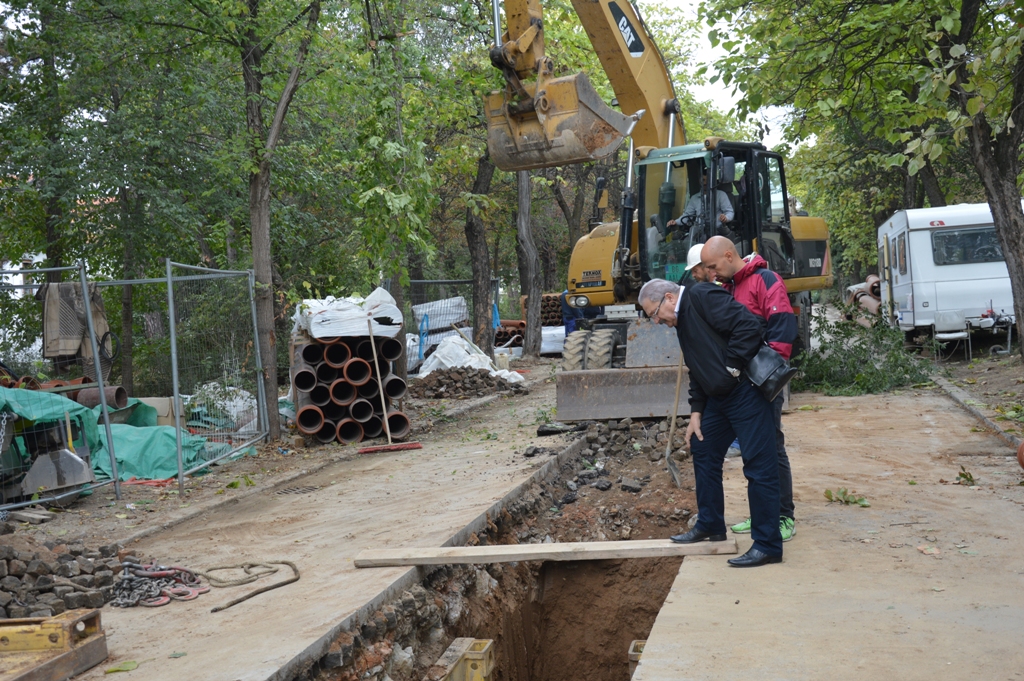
x,y
420,497
856,597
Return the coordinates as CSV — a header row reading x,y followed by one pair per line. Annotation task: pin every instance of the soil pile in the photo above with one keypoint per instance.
x,y
463,383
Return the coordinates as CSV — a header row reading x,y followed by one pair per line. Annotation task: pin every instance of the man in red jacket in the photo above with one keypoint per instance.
x,y
764,293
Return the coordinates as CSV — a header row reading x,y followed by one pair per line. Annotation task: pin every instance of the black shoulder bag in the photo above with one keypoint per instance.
x,y
767,370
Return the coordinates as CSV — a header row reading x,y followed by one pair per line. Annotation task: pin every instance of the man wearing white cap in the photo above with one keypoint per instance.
x,y
694,266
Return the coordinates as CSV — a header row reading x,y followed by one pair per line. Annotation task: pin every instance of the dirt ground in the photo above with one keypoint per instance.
x,y
996,382
924,583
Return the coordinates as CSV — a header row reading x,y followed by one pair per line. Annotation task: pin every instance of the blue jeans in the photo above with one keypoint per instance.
x,y
747,415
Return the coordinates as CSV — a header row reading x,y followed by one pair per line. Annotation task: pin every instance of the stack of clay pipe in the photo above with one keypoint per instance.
x,y
116,396
510,330
550,309
337,396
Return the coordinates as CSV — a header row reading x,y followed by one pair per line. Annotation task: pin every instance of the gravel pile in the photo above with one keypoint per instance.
x,y
462,383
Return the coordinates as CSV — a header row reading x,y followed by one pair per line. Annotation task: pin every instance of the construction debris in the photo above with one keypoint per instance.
x,y
463,383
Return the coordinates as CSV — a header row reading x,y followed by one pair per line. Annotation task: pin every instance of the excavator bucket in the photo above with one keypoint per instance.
x,y
569,123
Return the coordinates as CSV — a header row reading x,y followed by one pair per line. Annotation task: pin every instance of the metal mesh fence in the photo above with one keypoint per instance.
x,y
438,305
54,356
215,360
193,345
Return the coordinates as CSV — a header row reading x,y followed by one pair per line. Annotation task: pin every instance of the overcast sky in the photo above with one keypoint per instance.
x,y
717,93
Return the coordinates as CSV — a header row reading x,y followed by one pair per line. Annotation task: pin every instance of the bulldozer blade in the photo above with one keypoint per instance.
x,y
570,123
598,394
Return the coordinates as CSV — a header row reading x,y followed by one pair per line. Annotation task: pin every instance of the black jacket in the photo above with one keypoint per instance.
x,y
705,357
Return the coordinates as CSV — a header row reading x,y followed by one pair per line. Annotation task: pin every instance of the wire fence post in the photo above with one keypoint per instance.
x,y
261,391
99,376
176,405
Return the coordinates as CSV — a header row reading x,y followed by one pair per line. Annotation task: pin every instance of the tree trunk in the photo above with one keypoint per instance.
x,y
54,133
528,266
996,157
999,172
127,304
263,140
476,240
259,218
909,190
931,186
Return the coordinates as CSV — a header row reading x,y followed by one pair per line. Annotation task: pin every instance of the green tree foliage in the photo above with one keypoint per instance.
x,y
851,359
923,76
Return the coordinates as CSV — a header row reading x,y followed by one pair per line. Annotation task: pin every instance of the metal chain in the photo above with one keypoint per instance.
x,y
130,590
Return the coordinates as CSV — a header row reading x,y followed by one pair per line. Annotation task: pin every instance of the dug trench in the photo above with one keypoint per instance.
x,y
547,620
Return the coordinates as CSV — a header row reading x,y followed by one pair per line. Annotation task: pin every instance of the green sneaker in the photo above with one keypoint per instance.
x,y
742,528
787,526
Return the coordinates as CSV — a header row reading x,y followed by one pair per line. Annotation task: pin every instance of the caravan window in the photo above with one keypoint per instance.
x,y
962,246
901,253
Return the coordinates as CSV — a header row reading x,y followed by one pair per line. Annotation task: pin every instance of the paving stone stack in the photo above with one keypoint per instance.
x,y
337,396
462,383
43,583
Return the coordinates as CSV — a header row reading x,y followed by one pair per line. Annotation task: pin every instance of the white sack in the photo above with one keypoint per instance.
x,y
332,317
552,340
458,352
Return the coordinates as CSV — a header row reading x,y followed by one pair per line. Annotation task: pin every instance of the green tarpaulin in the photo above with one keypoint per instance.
x,y
38,407
139,414
143,449
149,453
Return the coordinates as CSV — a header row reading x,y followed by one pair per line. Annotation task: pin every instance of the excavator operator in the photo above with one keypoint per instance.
x,y
693,214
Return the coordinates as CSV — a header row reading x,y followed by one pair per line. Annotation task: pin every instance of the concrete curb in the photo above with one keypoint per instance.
x,y
295,475
964,399
413,576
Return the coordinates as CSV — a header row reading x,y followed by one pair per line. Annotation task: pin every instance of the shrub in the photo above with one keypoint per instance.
x,y
851,359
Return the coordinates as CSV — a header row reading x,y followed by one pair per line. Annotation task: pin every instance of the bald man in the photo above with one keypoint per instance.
x,y
764,293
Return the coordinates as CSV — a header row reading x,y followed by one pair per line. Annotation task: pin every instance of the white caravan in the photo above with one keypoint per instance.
x,y
948,258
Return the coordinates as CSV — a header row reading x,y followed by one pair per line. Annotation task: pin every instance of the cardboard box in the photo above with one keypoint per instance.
x,y
164,413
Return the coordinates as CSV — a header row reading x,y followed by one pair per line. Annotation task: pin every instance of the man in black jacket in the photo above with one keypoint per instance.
x,y
718,336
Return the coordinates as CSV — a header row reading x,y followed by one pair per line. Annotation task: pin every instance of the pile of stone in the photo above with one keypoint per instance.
x,y
39,580
626,439
463,383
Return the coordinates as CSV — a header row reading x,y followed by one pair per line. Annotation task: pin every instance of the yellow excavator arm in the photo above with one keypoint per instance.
x,y
539,121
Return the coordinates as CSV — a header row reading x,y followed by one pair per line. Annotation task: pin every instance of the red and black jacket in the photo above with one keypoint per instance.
x,y
764,293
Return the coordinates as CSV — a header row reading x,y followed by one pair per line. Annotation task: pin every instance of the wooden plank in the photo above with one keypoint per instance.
x,y
509,553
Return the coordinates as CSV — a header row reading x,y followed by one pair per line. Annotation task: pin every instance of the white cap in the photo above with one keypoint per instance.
x,y
693,257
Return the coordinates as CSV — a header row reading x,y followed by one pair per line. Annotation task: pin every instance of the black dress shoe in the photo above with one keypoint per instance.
x,y
695,535
754,558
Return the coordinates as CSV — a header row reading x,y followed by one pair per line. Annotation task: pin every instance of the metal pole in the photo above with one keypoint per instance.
x,y
99,375
496,10
671,143
261,392
174,377
629,165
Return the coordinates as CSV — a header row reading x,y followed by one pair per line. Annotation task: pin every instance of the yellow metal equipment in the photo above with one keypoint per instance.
x,y
540,121
51,648
467,659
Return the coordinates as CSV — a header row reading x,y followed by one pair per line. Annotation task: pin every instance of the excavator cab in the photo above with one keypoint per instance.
x,y
539,121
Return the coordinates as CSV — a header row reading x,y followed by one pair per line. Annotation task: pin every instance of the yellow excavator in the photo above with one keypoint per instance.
x,y
620,365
